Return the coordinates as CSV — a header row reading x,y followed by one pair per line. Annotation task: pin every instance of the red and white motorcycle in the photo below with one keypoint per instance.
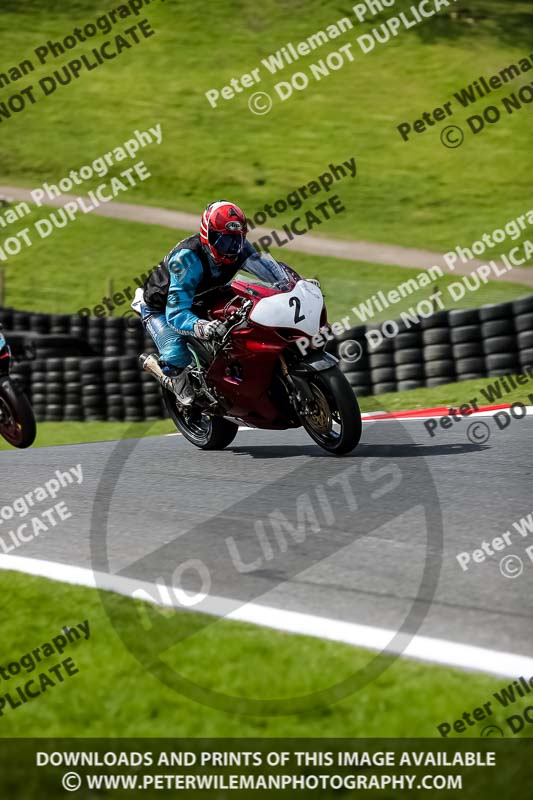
x,y
257,375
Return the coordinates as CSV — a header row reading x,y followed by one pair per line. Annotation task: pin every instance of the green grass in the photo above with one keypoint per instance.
x,y
114,695
71,271
63,433
415,193
452,394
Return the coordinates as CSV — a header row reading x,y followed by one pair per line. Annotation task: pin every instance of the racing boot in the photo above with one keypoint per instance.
x,y
173,378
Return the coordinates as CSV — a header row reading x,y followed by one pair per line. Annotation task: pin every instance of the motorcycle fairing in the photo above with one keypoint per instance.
x,y
299,309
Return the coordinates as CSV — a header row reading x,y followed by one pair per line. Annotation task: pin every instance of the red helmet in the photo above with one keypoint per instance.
x,y
223,231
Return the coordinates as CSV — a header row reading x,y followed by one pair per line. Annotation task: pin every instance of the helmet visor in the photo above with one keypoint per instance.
x,y
227,244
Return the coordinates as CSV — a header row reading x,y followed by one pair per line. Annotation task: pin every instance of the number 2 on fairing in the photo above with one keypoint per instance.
x,y
295,301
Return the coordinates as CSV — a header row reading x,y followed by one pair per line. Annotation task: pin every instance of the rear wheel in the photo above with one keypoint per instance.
x,y
336,423
17,420
202,430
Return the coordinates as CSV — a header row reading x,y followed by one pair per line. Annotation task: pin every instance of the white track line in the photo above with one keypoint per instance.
x,y
423,648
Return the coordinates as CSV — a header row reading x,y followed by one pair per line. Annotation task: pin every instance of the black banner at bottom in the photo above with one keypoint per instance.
x,y
32,769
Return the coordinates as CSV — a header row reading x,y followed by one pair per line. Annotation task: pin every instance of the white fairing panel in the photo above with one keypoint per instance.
x,y
299,309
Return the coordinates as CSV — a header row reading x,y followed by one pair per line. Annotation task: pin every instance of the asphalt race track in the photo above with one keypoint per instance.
x,y
275,521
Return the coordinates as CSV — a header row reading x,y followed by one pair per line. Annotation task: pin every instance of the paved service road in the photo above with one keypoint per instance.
x,y
315,245
274,520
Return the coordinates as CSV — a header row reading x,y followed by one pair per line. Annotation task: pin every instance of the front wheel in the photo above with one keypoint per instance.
x,y
202,430
336,422
17,420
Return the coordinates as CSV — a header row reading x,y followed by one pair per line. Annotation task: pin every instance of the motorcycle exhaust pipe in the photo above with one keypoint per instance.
x,y
151,364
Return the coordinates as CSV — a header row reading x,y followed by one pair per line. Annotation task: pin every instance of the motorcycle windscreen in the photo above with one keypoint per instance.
x,y
299,309
263,269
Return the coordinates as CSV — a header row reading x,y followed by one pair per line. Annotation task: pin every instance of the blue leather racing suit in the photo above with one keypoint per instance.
x,y
190,272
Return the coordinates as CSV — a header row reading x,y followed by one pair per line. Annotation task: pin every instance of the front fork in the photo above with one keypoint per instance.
x,y
300,395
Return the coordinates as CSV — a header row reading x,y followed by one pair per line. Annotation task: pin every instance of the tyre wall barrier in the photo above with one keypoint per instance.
x,y
447,346
108,388
59,335
77,368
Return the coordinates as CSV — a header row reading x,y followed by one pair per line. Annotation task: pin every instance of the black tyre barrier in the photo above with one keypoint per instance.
x,y
383,375
75,389
470,376
500,344
472,364
467,349
405,386
437,320
525,340
404,340
434,336
463,316
411,355
461,344
523,306
526,357
523,322
465,333
410,372
495,311
444,368
431,382
385,346
380,360
497,327
382,388
435,352
77,368
502,361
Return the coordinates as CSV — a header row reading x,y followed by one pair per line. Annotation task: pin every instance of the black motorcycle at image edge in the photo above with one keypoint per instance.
x,y
17,420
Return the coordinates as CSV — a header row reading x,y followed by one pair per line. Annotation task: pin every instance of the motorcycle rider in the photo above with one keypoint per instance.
x,y
196,264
